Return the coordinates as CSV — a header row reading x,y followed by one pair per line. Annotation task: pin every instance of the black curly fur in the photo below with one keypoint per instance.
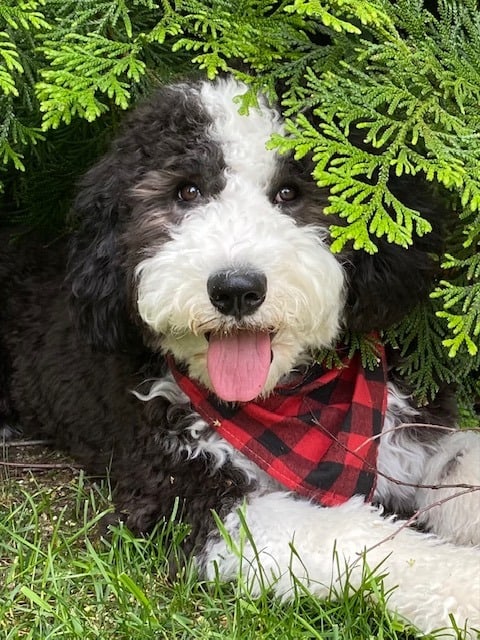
x,y
72,349
162,129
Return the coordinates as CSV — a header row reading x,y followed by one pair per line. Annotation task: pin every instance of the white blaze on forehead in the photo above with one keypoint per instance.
x,y
242,138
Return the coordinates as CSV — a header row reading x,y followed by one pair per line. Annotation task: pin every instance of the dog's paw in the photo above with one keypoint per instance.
x,y
451,510
113,519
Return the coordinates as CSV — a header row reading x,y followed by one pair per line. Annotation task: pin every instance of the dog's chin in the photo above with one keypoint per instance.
x,y
237,367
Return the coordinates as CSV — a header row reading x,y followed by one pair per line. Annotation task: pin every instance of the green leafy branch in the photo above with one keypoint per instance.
x,y
81,69
461,305
19,22
351,343
340,15
419,340
220,32
407,129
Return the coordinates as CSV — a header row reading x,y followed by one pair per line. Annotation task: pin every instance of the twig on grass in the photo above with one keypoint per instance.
x,y
41,466
26,443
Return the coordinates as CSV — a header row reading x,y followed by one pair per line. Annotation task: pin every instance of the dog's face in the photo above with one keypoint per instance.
x,y
214,248
239,283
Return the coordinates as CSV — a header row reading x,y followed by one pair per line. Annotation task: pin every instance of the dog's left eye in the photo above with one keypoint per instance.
x,y
188,192
285,194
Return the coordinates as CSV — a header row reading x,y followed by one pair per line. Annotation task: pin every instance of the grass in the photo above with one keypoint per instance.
x,y
60,579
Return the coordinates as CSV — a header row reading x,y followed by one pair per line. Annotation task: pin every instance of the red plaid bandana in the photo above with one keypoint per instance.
x,y
315,435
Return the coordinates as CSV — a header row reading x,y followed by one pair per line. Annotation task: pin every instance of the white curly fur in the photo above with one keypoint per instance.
x,y
326,549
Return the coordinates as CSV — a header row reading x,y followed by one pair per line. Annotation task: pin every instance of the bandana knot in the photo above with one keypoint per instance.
x,y
315,435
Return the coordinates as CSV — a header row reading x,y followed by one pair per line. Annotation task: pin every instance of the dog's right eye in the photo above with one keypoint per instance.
x,y
188,193
285,195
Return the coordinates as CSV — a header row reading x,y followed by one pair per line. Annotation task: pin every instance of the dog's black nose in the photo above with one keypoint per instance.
x,y
237,292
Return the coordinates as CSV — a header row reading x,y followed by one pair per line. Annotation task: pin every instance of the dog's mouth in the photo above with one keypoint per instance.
x,y
238,363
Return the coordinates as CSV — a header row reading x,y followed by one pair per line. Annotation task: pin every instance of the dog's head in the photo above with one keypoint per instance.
x,y
197,238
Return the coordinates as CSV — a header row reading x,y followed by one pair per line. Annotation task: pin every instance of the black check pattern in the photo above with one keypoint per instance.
x,y
316,435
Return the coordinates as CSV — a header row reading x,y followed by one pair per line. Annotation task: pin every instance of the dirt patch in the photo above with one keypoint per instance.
x,y
40,485
33,468
22,458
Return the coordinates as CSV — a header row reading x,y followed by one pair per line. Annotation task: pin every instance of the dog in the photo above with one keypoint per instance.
x,y
174,343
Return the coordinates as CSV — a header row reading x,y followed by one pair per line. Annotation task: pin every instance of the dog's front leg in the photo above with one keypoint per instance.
x,y
274,540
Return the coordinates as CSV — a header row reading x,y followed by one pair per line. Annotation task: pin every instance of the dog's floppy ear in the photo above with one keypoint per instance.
x,y
99,284
386,286
95,270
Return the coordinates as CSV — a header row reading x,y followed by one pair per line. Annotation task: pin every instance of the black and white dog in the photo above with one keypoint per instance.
x,y
179,354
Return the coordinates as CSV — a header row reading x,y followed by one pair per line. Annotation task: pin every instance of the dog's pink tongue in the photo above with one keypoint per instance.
x,y
238,364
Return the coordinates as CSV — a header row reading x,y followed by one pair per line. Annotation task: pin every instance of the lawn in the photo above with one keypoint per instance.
x,y
59,578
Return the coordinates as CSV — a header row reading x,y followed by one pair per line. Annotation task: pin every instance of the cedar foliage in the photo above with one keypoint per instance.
x,y
405,74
